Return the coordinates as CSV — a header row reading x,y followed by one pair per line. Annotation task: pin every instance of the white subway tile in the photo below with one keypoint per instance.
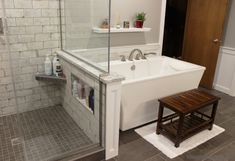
x,y
18,47
23,4
11,22
28,54
51,28
50,12
33,29
32,13
43,37
40,4
51,44
44,52
35,45
41,21
14,12
26,38
24,21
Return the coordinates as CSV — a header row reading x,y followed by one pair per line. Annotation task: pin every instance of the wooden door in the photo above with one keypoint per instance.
x,y
203,33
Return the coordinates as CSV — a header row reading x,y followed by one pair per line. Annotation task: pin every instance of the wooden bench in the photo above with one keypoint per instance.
x,y
187,119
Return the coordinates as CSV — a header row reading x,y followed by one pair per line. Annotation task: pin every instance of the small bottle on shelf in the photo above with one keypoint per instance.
x,y
55,62
48,66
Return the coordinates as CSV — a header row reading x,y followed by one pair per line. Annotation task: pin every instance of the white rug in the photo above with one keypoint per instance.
x,y
168,148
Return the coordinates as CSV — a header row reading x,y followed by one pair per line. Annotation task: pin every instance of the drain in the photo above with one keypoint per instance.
x,y
15,141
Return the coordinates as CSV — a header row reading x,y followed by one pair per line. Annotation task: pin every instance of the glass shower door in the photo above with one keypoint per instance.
x,y
35,124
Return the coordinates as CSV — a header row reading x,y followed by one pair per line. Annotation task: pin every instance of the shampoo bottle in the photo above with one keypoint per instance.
x,y
48,66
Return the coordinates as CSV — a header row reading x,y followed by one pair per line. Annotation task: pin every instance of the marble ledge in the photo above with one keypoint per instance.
x,y
111,78
80,64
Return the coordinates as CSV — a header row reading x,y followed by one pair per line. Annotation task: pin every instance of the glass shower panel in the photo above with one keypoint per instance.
x,y
79,19
38,120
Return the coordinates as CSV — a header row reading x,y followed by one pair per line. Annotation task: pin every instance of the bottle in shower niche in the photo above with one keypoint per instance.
x,y
87,93
91,100
79,87
75,88
48,66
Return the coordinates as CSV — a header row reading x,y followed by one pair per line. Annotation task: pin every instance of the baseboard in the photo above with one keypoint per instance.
x,y
222,89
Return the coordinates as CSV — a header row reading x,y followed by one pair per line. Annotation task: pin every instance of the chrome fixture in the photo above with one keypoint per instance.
x,y
138,56
140,53
151,53
133,67
123,58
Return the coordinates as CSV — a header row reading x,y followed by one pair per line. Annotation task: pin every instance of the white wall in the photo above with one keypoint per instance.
x,y
127,10
82,15
229,35
225,72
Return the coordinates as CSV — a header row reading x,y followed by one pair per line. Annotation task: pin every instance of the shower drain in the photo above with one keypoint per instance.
x,y
15,141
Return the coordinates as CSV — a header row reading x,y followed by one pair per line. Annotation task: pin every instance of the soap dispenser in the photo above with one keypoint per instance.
x,y
55,63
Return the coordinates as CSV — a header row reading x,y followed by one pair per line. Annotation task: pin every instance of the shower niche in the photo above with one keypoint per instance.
x,y
83,92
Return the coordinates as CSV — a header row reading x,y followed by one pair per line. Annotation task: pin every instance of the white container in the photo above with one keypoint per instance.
x,y
55,62
48,66
152,79
79,87
75,88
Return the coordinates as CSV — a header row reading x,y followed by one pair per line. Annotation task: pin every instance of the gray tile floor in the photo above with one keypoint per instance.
x,y
220,148
47,132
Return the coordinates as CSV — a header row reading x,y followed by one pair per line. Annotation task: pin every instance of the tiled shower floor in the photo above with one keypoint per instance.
x,y
47,132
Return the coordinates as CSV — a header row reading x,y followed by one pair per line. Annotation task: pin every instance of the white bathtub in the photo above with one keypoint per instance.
x,y
152,79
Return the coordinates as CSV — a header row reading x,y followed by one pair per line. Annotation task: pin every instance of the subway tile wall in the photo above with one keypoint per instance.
x,y
33,29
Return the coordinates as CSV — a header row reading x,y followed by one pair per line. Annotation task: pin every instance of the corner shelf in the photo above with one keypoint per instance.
x,y
41,77
121,30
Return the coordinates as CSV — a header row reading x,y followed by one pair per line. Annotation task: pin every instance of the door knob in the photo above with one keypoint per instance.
x,y
216,41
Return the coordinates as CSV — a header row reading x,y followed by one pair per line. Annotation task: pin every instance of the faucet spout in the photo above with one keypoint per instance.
x,y
131,56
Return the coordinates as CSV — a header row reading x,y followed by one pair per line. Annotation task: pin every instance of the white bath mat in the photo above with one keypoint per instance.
x,y
168,148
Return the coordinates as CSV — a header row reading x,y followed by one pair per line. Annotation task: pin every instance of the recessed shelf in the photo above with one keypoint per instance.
x,y
40,77
83,93
121,30
84,103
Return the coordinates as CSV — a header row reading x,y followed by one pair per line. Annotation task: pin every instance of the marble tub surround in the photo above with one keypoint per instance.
x,y
100,55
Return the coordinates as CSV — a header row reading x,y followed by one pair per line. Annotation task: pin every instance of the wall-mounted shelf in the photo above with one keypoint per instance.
x,y
41,77
121,30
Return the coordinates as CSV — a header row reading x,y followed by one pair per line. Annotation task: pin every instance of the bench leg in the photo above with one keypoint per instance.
x,y
213,113
160,114
179,131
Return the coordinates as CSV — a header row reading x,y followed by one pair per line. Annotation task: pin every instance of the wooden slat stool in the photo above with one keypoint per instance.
x,y
187,119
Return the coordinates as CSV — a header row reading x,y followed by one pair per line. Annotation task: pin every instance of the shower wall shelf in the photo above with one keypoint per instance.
x,y
41,77
84,103
121,30
85,93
